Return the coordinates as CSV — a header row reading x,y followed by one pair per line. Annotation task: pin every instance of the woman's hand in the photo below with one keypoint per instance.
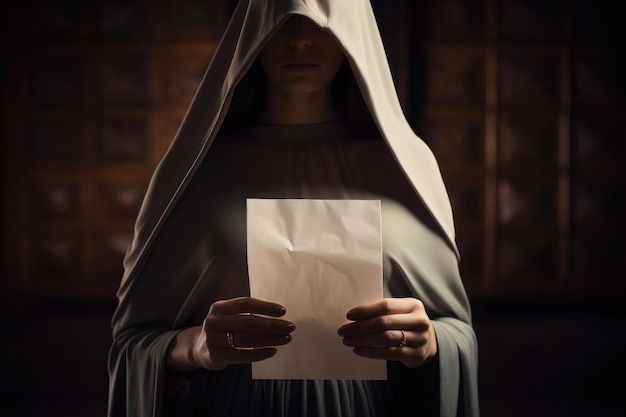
x,y
396,329
239,330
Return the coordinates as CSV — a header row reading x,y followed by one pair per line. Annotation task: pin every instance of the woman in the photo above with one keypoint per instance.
x,y
184,305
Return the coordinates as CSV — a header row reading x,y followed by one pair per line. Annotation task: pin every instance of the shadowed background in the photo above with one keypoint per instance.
x,y
522,101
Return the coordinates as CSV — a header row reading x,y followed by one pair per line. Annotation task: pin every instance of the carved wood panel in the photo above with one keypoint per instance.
x,y
93,92
523,103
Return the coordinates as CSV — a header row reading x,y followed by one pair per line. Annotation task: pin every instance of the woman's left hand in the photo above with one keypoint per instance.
x,y
395,329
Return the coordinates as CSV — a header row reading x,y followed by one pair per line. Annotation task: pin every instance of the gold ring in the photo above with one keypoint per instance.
x,y
403,342
231,340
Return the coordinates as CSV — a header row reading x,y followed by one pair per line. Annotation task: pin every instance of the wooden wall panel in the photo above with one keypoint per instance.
x,y
92,93
542,81
522,101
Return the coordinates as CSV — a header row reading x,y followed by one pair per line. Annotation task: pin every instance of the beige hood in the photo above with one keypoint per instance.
x,y
253,22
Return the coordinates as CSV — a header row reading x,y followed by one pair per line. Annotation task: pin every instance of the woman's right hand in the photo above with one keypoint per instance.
x,y
240,330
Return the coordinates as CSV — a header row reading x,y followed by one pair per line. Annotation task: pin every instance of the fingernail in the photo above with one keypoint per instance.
x,y
351,314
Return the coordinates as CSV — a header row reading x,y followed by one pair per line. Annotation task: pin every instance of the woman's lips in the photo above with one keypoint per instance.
x,y
300,66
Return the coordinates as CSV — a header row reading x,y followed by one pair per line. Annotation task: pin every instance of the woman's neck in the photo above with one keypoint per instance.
x,y
282,108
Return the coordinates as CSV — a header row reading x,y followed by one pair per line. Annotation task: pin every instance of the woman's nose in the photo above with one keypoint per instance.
x,y
301,32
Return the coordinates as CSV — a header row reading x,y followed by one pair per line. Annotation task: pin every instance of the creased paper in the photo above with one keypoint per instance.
x,y
318,258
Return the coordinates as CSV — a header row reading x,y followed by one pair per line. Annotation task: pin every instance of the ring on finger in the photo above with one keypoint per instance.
x,y
231,340
403,341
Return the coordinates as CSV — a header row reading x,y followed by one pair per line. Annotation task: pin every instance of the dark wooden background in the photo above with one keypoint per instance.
x,y
522,101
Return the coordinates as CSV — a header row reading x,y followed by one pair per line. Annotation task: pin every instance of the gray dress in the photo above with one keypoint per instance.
x,y
208,228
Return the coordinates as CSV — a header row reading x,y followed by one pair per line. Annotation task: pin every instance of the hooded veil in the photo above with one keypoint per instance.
x,y
153,308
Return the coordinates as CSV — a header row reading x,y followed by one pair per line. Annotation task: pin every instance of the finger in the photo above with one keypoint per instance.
x,y
389,338
247,324
237,356
243,305
419,323
384,307
252,340
414,355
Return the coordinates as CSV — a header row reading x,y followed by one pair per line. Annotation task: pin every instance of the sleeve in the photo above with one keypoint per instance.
x,y
458,360
144,324
137,372
418,262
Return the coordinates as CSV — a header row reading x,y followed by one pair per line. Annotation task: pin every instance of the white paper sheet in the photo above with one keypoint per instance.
x,y
318,258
